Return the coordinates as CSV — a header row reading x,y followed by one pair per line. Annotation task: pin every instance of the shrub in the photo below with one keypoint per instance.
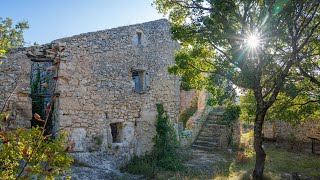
x,y
26,153
166,144
164,154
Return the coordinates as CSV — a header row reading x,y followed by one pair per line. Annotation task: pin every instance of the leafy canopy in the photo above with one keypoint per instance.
x,y
214,43
263,46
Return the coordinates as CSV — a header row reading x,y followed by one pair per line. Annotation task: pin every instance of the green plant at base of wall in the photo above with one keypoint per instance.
x,y
164,155
184,117
27,154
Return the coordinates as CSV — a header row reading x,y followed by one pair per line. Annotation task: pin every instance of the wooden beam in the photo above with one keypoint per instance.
x,y
45,95
42,60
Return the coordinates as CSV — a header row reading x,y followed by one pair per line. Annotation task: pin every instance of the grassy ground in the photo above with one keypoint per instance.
x,y
278,162
240,164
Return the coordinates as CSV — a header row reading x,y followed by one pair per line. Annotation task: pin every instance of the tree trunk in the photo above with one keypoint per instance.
x,y
260,154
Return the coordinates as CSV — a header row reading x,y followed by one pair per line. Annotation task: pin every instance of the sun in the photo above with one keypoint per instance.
x,y
253,41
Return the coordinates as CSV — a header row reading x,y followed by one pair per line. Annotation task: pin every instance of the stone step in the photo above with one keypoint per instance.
x,y
213,117
208,138
213,121
204,148
218,113
210,133
206,143
213,129
214,125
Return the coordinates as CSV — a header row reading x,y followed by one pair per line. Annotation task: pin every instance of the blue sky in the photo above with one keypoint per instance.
x,y
53,19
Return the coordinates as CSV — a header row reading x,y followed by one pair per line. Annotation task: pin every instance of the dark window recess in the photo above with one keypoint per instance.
x,y
138,41
116,130
139,80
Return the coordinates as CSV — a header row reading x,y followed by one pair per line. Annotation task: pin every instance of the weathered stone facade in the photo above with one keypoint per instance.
x,y
111,82
15,89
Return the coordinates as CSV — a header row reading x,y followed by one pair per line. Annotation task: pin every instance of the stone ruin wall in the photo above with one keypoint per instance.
x,y
97,88
15,80
195,122
286,131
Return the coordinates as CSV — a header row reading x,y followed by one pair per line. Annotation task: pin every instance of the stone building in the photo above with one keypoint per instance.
x,y
108,85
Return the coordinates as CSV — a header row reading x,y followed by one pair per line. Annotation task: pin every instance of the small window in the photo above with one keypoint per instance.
x,y
139,78
116,132
138,40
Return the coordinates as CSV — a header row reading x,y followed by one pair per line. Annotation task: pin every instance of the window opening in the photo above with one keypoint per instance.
x,y
139,35
116,130
139,80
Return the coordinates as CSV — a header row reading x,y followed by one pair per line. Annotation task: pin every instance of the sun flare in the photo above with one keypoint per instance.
x,y
253,41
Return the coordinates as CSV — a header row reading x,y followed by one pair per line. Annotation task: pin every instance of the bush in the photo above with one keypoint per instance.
x,y
28,154
166,144
141,165
230,115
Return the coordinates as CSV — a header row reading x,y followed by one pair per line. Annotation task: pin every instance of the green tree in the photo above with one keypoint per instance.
x,y
11,36
262,46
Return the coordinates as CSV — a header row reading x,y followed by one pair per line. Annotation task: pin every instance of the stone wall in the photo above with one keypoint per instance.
x,y
286,131
97,88
186,98
109,85
195,122
14,80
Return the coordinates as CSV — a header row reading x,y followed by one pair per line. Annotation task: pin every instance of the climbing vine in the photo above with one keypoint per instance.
x,y
166,144
165,151
37,101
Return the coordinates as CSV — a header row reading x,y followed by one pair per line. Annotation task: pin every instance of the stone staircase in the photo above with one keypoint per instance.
x,y
212,134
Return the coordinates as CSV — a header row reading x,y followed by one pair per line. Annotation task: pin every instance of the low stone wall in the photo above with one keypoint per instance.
x,y
286,131
237,128
195,122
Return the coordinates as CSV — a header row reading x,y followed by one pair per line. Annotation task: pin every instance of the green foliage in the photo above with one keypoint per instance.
x,y
11,36
26,153
248,107
2,55
214,39
164,154
37,101
290,107
230,115
141,165
166,144
186,114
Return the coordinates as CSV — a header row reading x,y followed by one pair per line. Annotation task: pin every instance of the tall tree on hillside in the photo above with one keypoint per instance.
x,y
264,46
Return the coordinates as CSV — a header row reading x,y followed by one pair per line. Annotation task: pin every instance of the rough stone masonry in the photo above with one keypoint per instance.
x,y
112,80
